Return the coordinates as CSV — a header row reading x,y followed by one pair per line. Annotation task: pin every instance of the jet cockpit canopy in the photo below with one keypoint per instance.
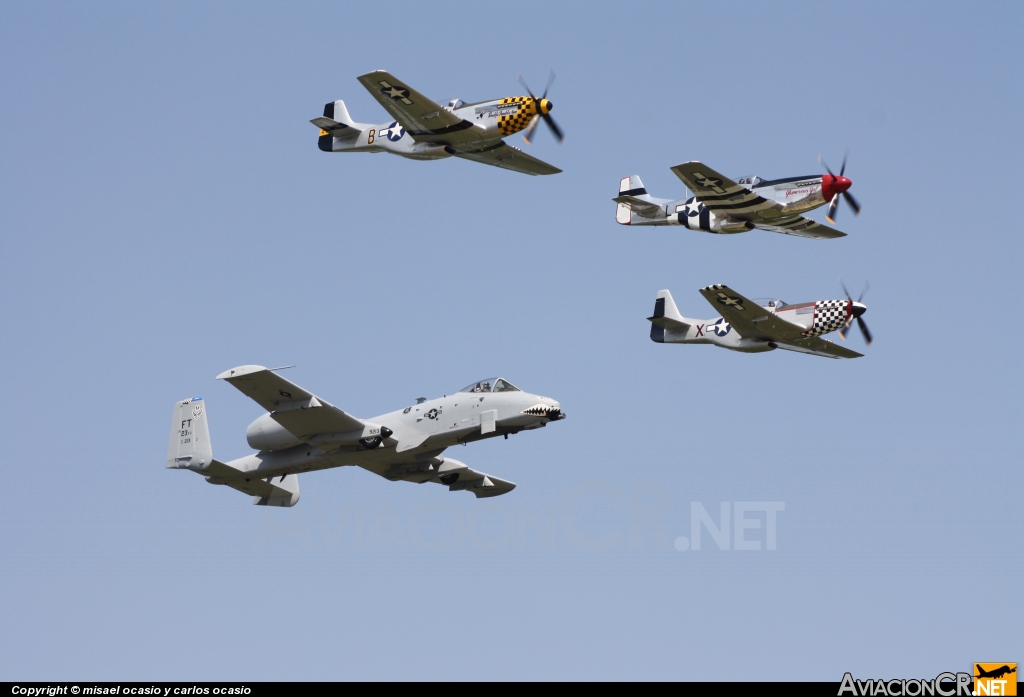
x,y
490,385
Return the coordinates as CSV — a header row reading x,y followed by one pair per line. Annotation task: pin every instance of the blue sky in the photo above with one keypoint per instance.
x,y
165,215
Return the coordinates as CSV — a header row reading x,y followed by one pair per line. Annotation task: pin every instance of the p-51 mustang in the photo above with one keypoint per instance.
x,y
421,129
723,206
302,432
753,326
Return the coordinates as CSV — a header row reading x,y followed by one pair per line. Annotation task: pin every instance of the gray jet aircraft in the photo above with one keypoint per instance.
x,y
754,326
301,432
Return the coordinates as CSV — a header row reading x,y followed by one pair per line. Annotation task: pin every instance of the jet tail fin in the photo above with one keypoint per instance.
x,y
189,446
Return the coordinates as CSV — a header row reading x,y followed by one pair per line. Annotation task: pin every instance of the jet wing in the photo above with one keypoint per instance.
x,y
642,208
501,154
301,412
799,226
819,347
268,491
457,476
748,318
422,118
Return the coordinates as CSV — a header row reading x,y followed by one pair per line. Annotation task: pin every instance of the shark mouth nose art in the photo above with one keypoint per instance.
x,y
553,413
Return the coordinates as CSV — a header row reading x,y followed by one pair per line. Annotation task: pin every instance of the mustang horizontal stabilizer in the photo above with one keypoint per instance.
x,y
748,318
673,325
639,206
330,127
299,411
510,157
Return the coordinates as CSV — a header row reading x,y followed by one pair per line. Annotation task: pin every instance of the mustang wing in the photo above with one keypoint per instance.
x,y
422,118
642,208
819,347
501,154
748,318
301,412
725,197
799,226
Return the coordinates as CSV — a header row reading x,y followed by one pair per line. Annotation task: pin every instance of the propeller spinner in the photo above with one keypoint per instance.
x,y
543,110
833,186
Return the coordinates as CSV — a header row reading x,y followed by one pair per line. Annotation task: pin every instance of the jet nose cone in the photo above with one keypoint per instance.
x,y
858,309
546,106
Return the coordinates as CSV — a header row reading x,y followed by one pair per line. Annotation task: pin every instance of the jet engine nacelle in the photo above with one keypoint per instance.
x,y
266,434
694,216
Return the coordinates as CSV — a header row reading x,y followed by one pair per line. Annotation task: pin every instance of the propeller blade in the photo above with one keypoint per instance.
x,y
551,79
831,216
554,127
864,292
844,289
864,330
843,168
853,202
822,163
525,86
532,127
846,328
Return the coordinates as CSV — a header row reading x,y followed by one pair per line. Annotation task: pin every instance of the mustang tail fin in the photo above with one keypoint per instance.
x,y
666,316
190,446
634,200
335,123
632,186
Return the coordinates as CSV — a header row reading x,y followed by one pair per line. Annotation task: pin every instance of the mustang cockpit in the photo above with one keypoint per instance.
x,y
750,182
490,385
771,303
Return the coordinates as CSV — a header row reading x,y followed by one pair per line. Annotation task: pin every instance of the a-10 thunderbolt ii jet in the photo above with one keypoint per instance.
x,y
721,205
302,432
754,326
422,129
